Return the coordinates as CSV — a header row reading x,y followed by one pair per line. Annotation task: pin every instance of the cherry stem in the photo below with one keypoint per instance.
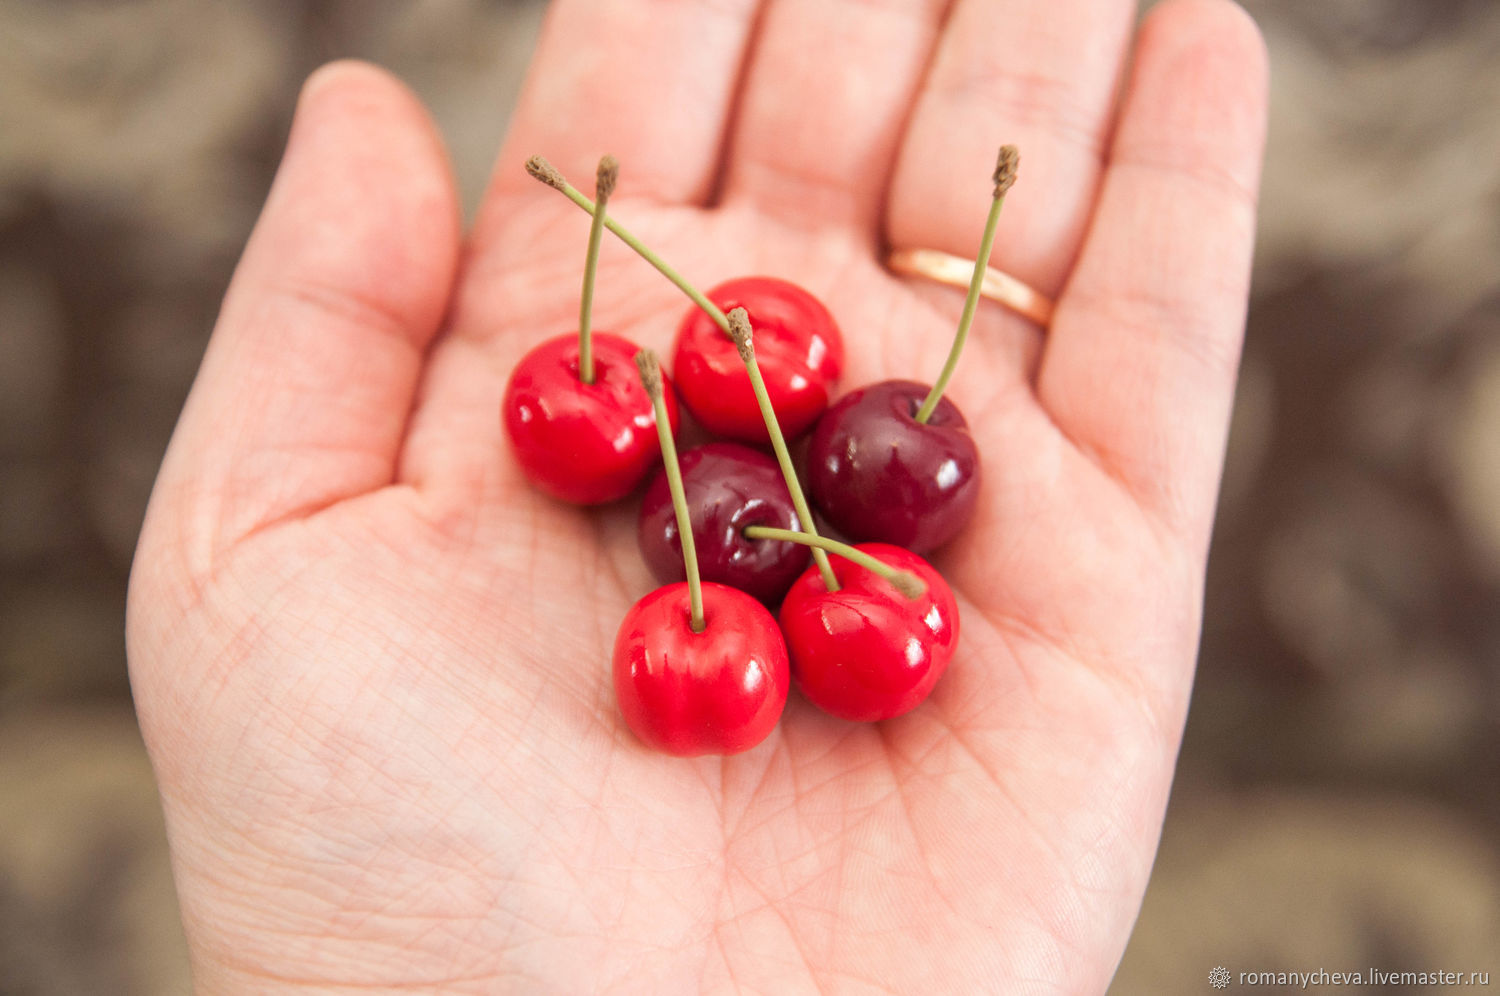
x,y
739,330
905,581
604,185
544,171
650,369
1004,176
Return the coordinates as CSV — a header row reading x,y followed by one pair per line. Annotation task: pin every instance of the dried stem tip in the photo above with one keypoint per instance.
x,y
650,367
542,170
739,331
605,179
1005,168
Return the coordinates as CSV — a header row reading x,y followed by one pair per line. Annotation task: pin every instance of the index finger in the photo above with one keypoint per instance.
x,y
649,83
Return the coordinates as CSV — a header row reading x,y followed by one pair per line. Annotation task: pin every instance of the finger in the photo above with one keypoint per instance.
x,y
828,87
650,83
1039,74
1140,364
303,395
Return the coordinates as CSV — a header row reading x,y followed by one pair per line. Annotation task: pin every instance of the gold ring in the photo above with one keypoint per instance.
x,y
945,268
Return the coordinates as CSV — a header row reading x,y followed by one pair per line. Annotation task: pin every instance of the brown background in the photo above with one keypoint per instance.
x,y
1338,798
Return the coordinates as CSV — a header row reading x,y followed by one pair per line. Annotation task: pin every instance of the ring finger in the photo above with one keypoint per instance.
x,y
1039,74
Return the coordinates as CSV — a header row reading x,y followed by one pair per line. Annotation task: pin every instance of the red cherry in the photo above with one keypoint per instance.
x,y
867,652
583,443
720,691
800,350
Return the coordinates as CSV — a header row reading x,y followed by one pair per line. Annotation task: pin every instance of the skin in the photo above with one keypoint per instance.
x,y
371,663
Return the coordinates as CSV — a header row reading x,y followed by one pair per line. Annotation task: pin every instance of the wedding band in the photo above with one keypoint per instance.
x,y
945,268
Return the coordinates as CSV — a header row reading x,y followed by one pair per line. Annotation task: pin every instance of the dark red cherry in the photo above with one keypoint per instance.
x,y
728,487
867,652
879,474
720,691
583,443
797,344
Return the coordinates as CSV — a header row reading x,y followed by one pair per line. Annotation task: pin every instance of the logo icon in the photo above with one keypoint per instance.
x,y
1218,977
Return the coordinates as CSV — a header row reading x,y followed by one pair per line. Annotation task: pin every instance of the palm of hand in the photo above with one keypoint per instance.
x,y
382,717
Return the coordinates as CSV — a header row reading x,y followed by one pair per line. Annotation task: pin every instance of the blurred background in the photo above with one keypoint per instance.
x,y
1338,797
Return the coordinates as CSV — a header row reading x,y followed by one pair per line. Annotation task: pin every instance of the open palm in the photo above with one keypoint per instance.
x,y
371,663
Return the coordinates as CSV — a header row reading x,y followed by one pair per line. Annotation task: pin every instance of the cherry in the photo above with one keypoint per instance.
x,y
800,349
698,668
894,461
582,443
805,351
869,651
877,473
715,691
579,423
727,487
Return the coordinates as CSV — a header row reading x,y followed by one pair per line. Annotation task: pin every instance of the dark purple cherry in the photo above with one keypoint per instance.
x,y
728,487
881,476
894,462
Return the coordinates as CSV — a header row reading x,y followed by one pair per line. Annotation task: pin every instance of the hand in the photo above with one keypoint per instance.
x,y
371,663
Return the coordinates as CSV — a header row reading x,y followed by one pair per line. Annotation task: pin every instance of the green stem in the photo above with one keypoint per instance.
x,y
908,583
985,245
713,311
650,369
739,322
608,173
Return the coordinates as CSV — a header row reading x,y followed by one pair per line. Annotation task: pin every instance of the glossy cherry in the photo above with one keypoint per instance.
x,y
878,474
583,443
868,652
720,691
894,461
799,346
728,487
